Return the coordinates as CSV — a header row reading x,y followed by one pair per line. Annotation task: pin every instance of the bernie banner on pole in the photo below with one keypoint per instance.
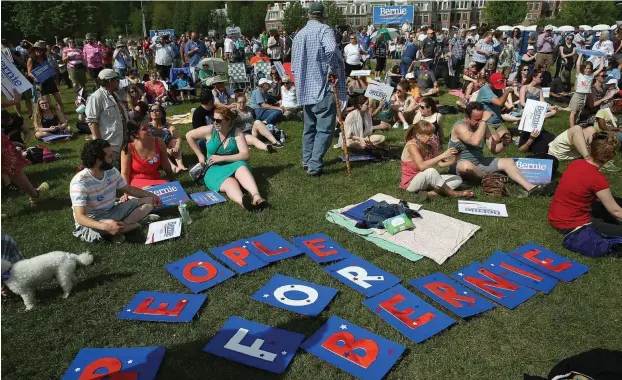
x,y
397,14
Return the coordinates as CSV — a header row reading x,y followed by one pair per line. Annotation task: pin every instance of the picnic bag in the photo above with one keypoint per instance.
x,y
40,154
495,185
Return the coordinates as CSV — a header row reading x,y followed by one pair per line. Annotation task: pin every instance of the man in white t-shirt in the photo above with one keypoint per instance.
x,y
93,195
289,101
352,54
229,45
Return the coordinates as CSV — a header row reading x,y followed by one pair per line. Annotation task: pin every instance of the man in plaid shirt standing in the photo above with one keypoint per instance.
x,y
316,65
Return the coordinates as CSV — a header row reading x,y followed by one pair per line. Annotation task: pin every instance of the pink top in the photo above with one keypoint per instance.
x,y
145,172
94,56
75,56
409,170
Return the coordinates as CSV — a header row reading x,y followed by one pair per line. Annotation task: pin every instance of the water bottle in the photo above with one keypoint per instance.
x,y
282,136
184,213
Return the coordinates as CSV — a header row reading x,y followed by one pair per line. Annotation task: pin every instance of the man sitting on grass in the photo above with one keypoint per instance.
x,y
468,136
93,195
264,111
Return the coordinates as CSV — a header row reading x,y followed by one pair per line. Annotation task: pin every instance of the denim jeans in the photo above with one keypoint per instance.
x,y
319,123
267,115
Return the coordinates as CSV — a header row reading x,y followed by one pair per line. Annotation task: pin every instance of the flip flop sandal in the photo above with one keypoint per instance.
x,y
271,148
247,202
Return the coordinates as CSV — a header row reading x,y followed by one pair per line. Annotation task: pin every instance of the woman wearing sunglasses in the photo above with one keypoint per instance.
x,y
169,134
227,153
144,156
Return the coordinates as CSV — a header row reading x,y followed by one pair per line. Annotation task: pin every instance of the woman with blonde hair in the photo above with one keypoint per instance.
x,y
227,153
48,120
134,96
419,157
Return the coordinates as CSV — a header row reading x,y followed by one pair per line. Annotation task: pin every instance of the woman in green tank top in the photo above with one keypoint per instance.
x,y
227,153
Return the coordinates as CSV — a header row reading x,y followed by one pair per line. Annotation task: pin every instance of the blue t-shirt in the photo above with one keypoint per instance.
x,y
614,73
485,96
194,59
181,83
410,53
258,97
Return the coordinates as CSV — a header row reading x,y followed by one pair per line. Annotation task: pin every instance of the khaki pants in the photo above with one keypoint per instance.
x,y
77,77
544,59
430,179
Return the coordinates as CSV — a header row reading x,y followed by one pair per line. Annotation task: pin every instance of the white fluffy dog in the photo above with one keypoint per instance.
x,y
26,274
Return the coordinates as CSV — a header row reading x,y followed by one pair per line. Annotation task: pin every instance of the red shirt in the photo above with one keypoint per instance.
x,y
571,204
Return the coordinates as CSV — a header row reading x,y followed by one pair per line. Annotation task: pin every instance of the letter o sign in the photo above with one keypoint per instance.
x,y
280,294
210,269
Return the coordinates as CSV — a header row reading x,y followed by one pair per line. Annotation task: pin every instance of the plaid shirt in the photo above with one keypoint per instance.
x,y
457,44
314,55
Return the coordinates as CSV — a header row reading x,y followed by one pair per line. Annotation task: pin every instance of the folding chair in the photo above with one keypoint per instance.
x,y
261,69
186,70
237,76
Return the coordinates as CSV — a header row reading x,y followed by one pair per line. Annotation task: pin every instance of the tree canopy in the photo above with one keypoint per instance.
x,y
497,13
588,12
295,16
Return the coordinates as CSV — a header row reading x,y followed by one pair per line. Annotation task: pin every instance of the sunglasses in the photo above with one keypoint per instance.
x,y
218,121
156,110
524,70
44,103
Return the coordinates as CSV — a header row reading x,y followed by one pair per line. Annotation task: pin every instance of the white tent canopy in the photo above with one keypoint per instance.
x,y
601,27
565,28
520,27
585,27
505,28
531,28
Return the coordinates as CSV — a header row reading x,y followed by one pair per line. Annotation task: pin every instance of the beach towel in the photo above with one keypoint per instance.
x,y
436,236
179,119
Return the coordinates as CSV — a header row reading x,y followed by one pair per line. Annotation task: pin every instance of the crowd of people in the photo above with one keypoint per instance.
x,y
130,140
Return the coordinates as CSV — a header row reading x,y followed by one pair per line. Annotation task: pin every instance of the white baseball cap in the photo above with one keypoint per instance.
x,y
264,81
530,47
410,76
473,27
548,27
612,81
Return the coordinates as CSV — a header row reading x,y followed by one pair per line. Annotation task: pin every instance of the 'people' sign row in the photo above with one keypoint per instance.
x,y
506,279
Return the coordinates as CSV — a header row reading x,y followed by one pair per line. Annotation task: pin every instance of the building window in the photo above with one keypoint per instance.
x,y
537,5
425,19
530,5
458,16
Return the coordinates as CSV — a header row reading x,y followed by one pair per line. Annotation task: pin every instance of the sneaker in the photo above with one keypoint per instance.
x,y
406,126
278,144
337,146
117,239
396,125
42,189
610,167
270,148
149,219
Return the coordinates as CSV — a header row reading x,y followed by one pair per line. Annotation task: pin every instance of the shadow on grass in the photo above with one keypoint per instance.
x,y
179,359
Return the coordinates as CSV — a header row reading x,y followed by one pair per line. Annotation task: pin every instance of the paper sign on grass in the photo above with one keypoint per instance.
x,y
453,296
199,271
295,295
171,193
546,92
163,230
379,91
362,276
359,157
549,262
320,248
533,115
507,267
493,286
255,345
137,363
13,80
162,307
409,314
54,138
238,256
207,198
353,349
482,208
535,170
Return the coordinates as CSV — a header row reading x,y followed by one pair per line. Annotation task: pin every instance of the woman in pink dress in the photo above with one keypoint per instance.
x,y
143,157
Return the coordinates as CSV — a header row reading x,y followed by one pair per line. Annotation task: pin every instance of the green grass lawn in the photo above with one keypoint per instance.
x,y
499,344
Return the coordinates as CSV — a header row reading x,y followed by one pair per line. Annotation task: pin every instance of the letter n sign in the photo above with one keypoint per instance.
x,y
355,350
198,271
162,307
409,314
255,345
493,286
139,363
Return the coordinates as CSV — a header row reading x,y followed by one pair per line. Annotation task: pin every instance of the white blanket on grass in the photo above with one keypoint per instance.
x,y
436,236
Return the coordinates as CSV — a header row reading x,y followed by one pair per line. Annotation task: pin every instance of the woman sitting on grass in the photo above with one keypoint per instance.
x,y
227,153
47,120
134,96
169,134
428,111
403,106
144,156
531,91
419,157
584,194
358,126
252,128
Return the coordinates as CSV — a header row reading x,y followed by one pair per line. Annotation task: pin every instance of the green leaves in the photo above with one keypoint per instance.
x,y
499,13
